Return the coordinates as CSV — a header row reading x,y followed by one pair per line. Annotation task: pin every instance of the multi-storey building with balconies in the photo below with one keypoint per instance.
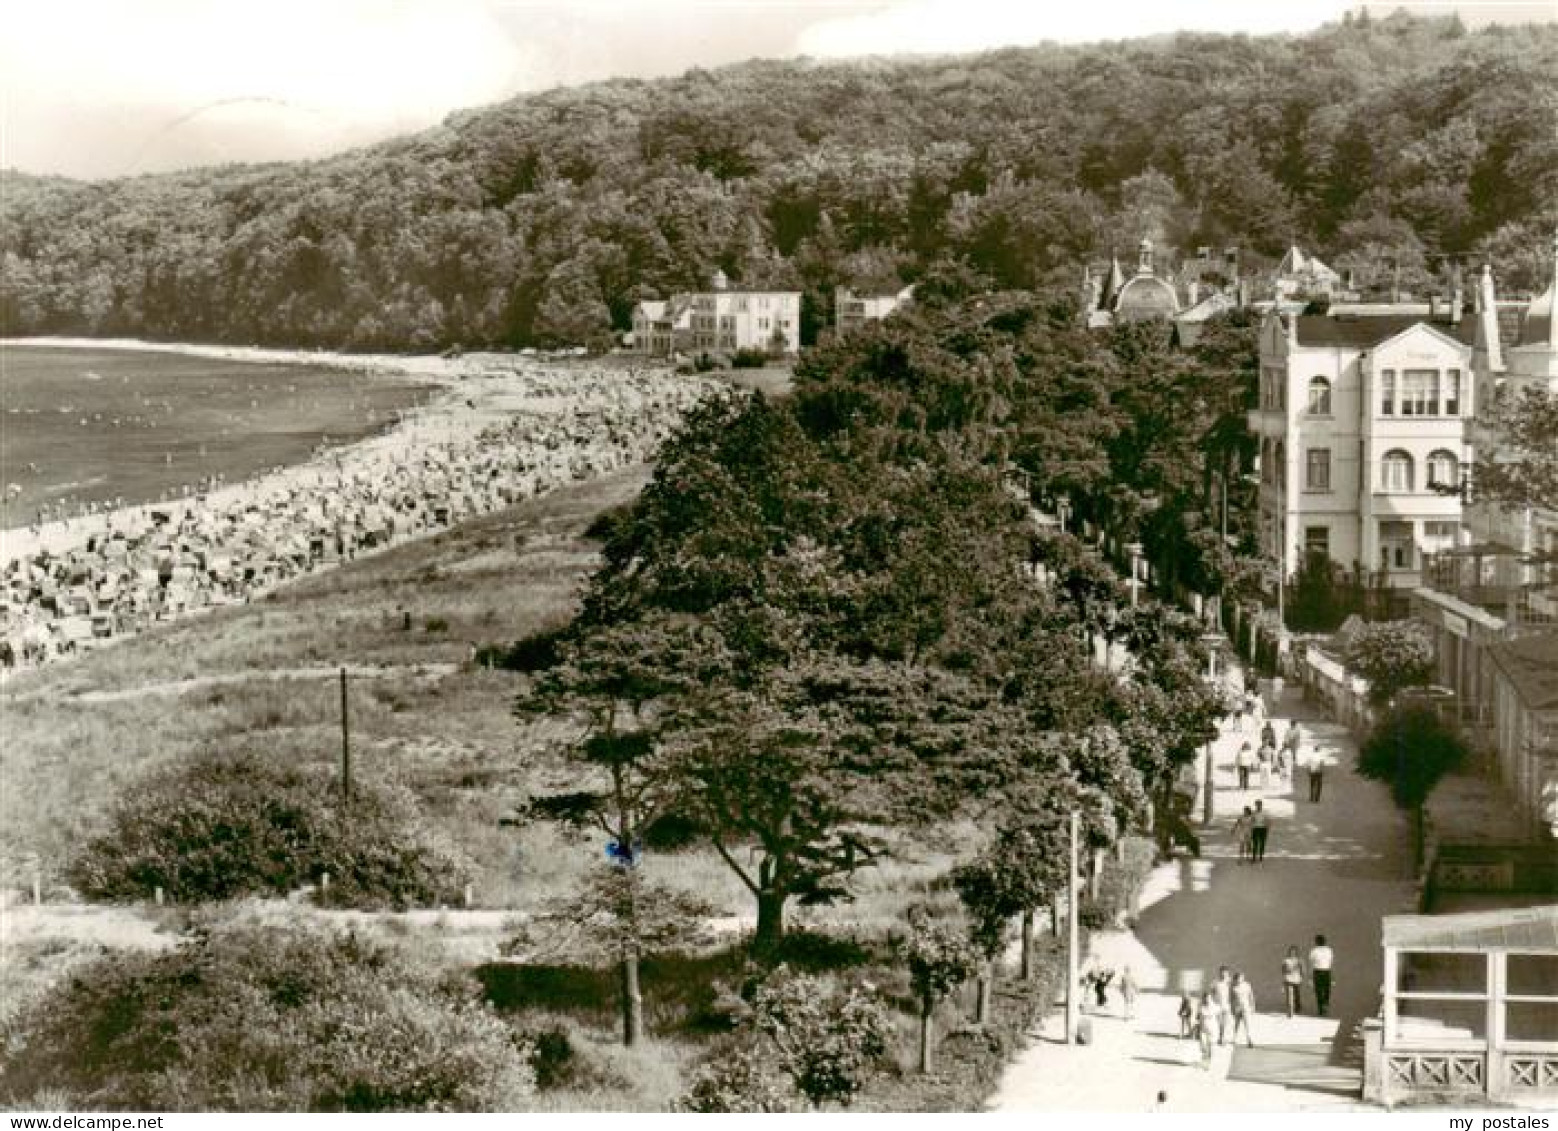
x,y
721,320
1362,426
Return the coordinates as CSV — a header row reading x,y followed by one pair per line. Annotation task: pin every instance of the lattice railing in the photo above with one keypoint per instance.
x,y
1534,1071
1435,1071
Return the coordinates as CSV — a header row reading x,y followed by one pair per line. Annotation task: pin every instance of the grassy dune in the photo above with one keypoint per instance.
x,y
261,677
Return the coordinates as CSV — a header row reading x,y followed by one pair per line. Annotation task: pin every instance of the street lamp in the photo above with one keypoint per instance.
x,y
1212,640
1063,505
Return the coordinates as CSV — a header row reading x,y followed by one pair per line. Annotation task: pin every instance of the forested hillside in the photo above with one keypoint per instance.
x,y
544,219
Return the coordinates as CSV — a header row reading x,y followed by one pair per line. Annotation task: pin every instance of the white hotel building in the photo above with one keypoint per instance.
x,y
1361,418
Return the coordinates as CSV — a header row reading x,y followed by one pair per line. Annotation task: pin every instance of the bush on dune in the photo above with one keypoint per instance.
x,y
216,827
268,1019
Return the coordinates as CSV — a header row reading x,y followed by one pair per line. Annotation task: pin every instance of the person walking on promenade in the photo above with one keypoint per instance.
x,y
1293,981
1207,1018
1266,755
1260,829
1128,991
1242,761
1222,996
1314,767
1241,834
1187,1016
1268,735
1321,958
1243,1001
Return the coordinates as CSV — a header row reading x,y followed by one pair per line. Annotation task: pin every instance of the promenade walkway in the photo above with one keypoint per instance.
x,y
1331,868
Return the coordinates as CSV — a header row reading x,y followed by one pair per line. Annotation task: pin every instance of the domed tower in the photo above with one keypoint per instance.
x,y
1146,295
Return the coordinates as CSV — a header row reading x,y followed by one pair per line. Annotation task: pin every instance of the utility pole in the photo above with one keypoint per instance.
x,y
346,747
1073,963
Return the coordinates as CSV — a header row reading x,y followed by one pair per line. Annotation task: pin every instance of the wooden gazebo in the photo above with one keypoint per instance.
x,y
1470,1008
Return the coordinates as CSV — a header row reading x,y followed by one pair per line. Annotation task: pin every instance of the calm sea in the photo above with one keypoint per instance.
x,y
81,426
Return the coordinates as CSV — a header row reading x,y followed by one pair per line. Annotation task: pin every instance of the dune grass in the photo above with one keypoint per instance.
x,y
80,735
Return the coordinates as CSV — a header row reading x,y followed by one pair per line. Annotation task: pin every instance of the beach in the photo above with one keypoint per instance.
x,y
498,428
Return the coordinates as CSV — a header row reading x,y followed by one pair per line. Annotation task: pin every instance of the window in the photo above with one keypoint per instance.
x,y
1279,471
1317,541
1444,470
1319,397
1531,997
1452,392
1420,392
1387,392
1317,475
1395,471
1440,533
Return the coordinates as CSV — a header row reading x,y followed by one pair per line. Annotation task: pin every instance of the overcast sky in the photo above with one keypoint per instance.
x,y
99,88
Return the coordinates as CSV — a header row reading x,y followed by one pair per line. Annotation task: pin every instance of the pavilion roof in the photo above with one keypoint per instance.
x,y
1522,928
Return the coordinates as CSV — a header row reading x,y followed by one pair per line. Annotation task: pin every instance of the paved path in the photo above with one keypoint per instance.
x,y
1335,868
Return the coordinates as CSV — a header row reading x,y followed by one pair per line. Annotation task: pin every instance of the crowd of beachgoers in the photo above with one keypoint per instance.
x,y
498,435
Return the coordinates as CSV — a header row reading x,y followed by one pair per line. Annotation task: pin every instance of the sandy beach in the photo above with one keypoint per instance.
x,y
477,390
498,429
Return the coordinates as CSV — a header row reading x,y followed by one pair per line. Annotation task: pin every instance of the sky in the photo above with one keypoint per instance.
x,y
105,88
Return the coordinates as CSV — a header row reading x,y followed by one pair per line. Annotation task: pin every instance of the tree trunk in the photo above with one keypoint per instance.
x,y
1419,840
1027,944
926,1008
770,919
1054,918
986,986
632,1002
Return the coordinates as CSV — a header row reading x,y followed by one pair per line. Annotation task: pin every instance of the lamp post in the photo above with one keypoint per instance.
x,y
1063,505
1207,788
1073,959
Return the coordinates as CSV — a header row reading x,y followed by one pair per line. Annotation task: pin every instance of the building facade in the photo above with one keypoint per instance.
x,y
720,320
851,311
1362,423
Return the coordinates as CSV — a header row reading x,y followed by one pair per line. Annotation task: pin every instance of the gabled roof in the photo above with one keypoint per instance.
x,y
1295,262
1527,929
1366,332
653,311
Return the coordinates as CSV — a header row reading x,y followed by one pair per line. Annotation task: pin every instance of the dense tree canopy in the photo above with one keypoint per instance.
x,y
815,629
1380,144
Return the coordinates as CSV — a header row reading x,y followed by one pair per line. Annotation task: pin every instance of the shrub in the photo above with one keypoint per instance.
x,y
736,1077
829,1039
534,653
1411,750
746,358
216,828
269,1019
562,1059
1392,656
1119,886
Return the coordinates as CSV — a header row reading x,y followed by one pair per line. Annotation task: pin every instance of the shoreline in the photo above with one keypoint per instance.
x,y
433,368
502,429
464,400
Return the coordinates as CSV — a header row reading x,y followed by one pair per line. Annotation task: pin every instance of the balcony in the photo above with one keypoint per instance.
x,y
1521,589
1415,504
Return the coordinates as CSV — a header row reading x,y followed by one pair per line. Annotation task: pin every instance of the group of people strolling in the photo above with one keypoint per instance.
x,y
1220,1014
1277,762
